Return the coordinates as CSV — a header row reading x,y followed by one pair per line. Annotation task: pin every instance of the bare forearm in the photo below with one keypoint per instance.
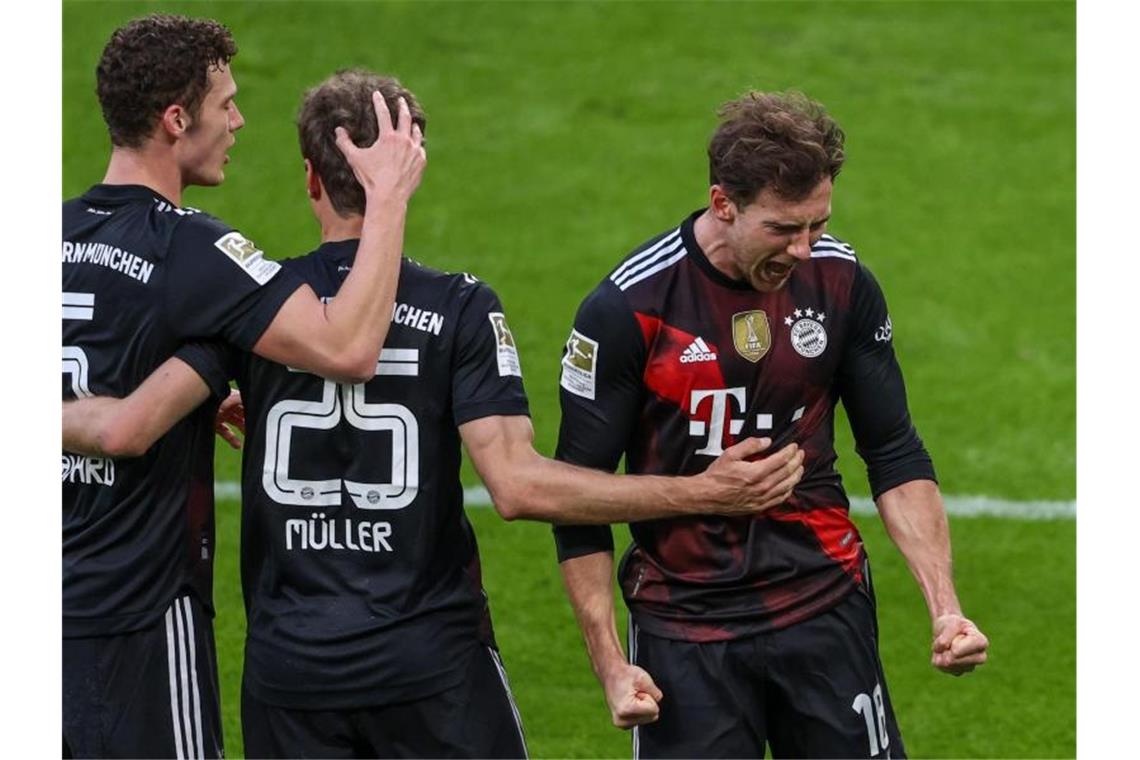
x,y
84,425
915,519
553,491
104,426
588,582
524,484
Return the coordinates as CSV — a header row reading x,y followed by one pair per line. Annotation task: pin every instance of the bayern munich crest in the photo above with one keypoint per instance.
x,y
809,338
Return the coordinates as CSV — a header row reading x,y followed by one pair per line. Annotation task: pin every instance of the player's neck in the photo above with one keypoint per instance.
x,y
137,167
709,233
335,227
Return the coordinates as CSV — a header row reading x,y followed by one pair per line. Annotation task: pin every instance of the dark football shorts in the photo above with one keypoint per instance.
x,y
814,689
476,718
148,693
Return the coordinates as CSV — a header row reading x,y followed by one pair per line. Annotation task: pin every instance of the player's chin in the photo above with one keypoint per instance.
x,y
207,178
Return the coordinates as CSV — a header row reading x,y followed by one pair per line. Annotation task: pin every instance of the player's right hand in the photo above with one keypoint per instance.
x,y
632,696
230,419
391,168
740,486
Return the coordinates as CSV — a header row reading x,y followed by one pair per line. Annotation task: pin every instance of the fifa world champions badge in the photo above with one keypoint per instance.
x,y
751,334
809,338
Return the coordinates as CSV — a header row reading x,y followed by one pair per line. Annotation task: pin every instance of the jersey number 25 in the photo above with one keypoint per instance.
x,y
337,403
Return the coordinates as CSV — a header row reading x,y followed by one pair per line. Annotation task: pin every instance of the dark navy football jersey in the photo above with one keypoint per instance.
x,y
140,277
670,362
360,570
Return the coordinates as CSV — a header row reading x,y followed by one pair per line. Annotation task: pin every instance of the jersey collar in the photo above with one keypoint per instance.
x,y
339,251
124,194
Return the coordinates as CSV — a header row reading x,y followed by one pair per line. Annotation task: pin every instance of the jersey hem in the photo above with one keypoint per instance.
x,y
116,625
310,699
467,413
704,629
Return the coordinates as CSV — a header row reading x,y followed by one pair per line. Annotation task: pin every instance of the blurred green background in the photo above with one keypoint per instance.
x,y
563,134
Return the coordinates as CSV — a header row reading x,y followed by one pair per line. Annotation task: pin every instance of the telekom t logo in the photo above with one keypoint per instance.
x,y
715,428
722,408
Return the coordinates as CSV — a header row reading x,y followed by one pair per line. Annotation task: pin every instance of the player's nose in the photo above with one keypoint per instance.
x,y
237,121
800,246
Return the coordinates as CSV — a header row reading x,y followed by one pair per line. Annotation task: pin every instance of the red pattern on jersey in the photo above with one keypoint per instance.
x,y
703,551
671,379
665,374
837,535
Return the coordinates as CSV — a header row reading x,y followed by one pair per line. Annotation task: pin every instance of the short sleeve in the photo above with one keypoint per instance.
x,y
871,386
214,361
487,374
601,392
220,285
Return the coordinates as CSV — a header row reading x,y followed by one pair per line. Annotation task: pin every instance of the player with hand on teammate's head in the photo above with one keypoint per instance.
x,y
360,569
141,275
748,318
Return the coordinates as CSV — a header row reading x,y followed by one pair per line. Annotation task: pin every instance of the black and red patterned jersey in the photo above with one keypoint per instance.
x,y
670,362
360,570
140,277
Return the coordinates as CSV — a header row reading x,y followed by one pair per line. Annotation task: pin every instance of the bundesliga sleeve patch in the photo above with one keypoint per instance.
x,y
247,256
580,365
505,346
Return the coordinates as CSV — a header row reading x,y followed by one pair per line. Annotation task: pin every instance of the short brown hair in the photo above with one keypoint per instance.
x,y
345,100
152,63
781,140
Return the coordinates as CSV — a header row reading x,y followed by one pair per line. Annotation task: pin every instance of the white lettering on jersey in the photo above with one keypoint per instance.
x,y
319,533
108,256
88,470
417,319
247,256
505,345
580,365
698,351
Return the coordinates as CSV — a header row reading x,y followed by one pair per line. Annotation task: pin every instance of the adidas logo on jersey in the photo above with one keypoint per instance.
x,y
698,351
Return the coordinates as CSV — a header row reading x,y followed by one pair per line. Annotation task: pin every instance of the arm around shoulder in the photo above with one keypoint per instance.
x,y
127,427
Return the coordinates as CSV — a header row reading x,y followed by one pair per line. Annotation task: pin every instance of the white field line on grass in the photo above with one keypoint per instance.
x,y
958,506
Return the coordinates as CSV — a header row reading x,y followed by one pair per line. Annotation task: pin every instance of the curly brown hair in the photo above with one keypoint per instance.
x,y
152,63
345,100
781,140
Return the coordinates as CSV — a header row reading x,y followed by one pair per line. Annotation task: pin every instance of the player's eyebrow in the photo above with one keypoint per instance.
x,y
795,225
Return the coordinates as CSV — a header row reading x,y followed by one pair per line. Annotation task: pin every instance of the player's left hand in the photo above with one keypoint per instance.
x,y
958,646
230,420
632,696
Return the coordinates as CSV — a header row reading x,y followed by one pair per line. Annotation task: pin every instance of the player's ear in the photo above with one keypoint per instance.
x,y
175,120
312,182
722,206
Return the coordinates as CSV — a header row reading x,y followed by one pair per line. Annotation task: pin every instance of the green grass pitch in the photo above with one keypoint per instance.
x,y
562,134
